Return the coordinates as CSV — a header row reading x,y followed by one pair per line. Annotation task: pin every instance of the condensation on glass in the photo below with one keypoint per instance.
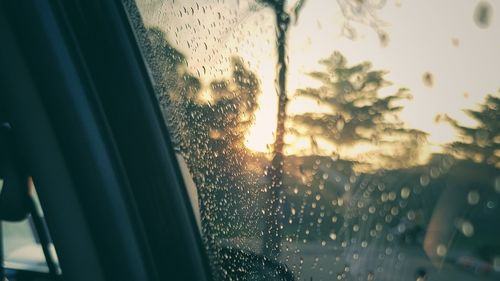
x,y
334,140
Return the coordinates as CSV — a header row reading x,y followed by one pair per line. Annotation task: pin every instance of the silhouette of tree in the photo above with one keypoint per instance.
x,y
224,120
173,84
481,143
213,146
272,230
208,133
167,64
360,11
272,233
359,115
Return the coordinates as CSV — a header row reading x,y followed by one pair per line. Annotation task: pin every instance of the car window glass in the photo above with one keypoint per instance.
x,y
342,140
21,243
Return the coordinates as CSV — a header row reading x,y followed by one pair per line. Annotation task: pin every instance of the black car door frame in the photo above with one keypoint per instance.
x,y
79,98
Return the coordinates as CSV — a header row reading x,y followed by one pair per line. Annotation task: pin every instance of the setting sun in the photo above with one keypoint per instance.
x,y
250,34
260,136
323,27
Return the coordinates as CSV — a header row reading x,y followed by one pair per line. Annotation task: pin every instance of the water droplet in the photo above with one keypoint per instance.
x,y
388,251
428,79
496,263
434,172
411,215
473,197
392,196
384,39
467,229
340,124
405,192
441,250
490,204
340,201
482,14
424,180
333,236
497,184
390,237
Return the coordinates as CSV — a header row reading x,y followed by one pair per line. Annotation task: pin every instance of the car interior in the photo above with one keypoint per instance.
x,y
126,153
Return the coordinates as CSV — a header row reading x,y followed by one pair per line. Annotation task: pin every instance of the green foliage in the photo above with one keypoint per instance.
x,y
480,143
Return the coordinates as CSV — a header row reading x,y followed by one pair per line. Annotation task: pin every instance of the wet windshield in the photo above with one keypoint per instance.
x,y
339,139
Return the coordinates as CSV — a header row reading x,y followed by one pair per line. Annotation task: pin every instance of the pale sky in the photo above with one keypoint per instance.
x,y
435,36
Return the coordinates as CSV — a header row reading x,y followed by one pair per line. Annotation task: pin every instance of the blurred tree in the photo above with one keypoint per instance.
x,y
359,115
208,124
212,143
174,86
218,123
352,10
214,131
480,144
271,246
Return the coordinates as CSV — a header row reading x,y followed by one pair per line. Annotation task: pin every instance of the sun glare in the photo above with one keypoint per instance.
x,y
419,113
260,136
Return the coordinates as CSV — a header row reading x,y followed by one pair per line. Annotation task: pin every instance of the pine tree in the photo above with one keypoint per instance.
x,y
359,115
481,143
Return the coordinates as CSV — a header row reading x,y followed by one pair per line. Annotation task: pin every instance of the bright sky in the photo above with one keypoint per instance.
x,y
435,36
